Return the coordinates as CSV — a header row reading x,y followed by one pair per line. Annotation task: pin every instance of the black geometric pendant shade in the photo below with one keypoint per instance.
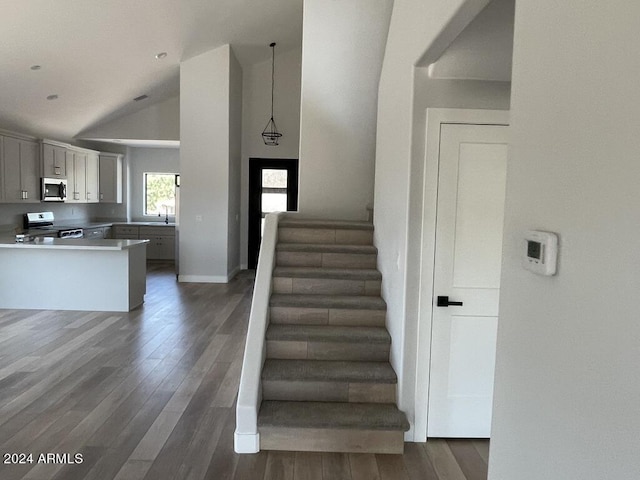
x,y
270,134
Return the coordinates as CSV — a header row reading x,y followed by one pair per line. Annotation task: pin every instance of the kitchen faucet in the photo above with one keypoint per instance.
x,y
166,214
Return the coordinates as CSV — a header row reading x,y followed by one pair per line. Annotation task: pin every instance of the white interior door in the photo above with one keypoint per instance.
x,y
470,214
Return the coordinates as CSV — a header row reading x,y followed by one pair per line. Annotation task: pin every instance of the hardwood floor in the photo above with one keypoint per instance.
x,y
150,395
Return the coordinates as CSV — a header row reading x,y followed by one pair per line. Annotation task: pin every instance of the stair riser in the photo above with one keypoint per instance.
x,y
331,440
301,391
326,260
300,350
325,235
326,286
327,316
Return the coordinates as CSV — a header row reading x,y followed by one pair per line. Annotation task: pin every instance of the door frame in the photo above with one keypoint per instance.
x,y
435,118
254,201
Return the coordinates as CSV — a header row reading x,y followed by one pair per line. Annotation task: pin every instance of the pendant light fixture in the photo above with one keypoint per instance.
x,y
270,134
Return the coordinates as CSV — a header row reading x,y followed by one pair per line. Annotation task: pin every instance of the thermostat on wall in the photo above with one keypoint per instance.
x,y
540,252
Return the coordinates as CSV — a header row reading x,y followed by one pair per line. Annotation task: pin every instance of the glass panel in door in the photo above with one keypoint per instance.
x,y
274,192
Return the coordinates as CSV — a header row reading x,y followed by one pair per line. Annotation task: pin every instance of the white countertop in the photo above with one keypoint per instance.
x,y
72,243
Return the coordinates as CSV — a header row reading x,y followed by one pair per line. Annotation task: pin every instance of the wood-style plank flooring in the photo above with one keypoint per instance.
x,y
149,395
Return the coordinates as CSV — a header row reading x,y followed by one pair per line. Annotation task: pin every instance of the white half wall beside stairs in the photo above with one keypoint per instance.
x,y
246,437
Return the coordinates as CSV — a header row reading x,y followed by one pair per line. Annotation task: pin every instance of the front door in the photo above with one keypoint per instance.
x,y
470,214
273,187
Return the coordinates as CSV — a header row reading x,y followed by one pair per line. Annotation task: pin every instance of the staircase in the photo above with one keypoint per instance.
x,y
327,384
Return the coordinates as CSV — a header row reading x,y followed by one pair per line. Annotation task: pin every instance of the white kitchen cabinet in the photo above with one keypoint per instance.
x,y
19,164
161,244
110,178
54,161
160,247
92,181
76,176
82,176
161,238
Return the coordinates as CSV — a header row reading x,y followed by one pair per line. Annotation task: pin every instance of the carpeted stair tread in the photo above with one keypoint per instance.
x,y
328,371
325,224
328,273
328,333
359,302
326,248
332,415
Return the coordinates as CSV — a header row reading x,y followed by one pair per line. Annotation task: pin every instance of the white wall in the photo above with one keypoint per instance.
x,y
342,52
567,388
256,108
415,27
207,103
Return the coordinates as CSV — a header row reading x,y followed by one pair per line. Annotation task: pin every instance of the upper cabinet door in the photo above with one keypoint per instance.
x,y
30,171
110,178
92,178
53,161
11,167
20,170
76,173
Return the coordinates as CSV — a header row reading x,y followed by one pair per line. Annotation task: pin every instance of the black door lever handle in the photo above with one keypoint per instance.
x,y
444,302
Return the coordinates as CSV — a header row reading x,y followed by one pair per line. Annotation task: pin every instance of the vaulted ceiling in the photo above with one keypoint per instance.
x,y
96,56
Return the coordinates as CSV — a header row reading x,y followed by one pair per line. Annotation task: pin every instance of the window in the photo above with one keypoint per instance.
x,y
160,193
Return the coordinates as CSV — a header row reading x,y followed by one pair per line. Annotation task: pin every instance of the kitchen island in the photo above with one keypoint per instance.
x,y
73,274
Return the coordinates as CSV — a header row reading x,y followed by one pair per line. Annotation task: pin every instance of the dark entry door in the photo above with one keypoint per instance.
x,y
273,187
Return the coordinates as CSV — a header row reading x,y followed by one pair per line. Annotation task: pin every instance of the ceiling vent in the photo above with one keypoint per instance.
x,y
141,97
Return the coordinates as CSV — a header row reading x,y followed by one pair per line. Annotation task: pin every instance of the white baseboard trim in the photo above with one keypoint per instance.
x,y
203,279
209,278
246,443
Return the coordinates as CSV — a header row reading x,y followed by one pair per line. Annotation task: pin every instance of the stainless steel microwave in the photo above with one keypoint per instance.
x,y
54,189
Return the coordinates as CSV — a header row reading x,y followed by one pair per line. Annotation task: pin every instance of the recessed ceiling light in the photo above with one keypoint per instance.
x,y
35,67
161,55
52,97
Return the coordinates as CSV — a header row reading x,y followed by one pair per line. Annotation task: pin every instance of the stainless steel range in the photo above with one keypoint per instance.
x,y
42,223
